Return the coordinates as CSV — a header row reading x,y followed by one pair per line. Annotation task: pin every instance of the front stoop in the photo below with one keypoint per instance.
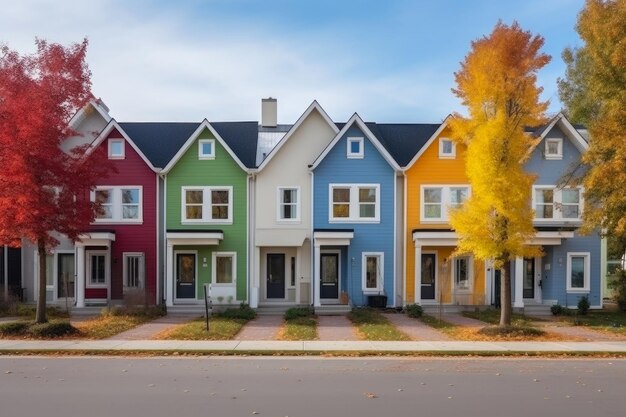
x,y
333,310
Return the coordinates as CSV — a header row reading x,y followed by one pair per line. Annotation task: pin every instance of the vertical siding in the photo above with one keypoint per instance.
x,y
132,170
372,237
221,171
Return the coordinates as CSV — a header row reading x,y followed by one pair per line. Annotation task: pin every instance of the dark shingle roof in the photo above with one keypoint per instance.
x,y
242,138
159,141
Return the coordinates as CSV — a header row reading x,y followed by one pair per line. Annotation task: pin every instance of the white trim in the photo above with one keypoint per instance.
x,y
279,203
356,119
107,269
201,155
557,203
142,269
183,149
354,204
444,155
587,271
470,274
447,238
175,268
81,114
314,106
319,267
380,278
434,136
559,146
207,204
360,153
117,205
445,201
214,256
574,135
110,143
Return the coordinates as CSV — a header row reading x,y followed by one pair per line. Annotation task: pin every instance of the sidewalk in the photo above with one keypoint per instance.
x,y
316,347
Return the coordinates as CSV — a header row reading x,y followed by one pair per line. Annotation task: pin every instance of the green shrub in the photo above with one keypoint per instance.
x,y
414,310
52,329
583,305
13,328
556,309
242,312
296,312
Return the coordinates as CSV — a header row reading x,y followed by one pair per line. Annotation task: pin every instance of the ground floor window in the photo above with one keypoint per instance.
x,y
224,267
97,269
463,273
134,270
372,272
578,271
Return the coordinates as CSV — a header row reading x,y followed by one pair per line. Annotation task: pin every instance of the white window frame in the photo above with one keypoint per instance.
x,y
110,148
557,212
552,156
207,213
356,155
587,277
470,274
444,155
117,206
107,269
214,257
380,281
354,209
142,269
280,203
446,201
201,154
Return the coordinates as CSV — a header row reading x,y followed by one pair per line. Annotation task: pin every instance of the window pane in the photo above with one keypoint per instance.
x,y
103,196
130,196
193,197
224,269
355,146
130,212
97,269
207,148
578,272
219,212
341,210
432,195
446,147
290,196
288,211
367,210
545,196
105,212
458,195
570,196
367,195
461,273
186,268
219,197
570,211
117,148
194,212
544,211
49,270
341,195
432,211
552,147
371,272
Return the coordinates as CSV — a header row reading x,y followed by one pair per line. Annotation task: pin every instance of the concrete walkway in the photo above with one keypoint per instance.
x,y
335,328
416,329
149,330
10,319
460,320
263,327
581,333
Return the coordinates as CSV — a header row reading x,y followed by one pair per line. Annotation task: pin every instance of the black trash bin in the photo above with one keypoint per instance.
x,y
377,301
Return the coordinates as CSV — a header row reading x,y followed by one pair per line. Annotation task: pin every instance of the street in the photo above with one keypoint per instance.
x,y
316,386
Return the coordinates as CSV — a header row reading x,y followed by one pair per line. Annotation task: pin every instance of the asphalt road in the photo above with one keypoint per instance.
x,y
300,387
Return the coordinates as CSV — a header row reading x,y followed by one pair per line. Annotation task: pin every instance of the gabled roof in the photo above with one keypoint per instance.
x,y
403,140
159,141
98,105
239,139
314,106
568,128
356,119
429,142
113,124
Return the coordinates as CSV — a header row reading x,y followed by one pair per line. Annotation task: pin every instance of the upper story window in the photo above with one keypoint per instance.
x,y
288,203
436,199
207,204
355,148
554,148
553,203
354,203
118,204
447,148
116,149
206,149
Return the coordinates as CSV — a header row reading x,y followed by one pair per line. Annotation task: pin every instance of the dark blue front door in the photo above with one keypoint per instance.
x,y
276,275
329,275
429,263
185,275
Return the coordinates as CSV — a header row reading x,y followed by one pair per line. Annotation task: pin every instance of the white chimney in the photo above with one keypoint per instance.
x,y
269,112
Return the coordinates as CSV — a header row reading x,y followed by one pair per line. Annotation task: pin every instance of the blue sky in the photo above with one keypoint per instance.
x,y
390,61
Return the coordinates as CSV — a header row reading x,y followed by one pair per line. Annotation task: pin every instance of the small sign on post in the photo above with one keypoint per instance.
x,y
208,303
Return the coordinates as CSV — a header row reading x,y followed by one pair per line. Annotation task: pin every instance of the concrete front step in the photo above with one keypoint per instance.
x,y
333,310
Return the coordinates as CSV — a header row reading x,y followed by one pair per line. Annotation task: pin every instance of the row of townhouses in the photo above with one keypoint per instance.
x,y
316,213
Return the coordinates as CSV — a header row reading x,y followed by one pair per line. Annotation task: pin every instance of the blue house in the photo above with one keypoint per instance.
x,y
356,182
571,265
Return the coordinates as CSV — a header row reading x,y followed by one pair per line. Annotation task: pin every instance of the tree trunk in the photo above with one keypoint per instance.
x,y
40,316
505,298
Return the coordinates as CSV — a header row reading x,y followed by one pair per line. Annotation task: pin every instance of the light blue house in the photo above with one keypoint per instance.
x,y
571,266
356,185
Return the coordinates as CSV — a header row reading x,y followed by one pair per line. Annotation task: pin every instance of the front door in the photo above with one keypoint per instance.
x,y
65,275
497,274
529,278
276,275
429,265
329,276
185,275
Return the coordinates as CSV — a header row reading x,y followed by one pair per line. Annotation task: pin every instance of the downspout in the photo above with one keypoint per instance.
x,y
312,248
164,240
404,236
250,260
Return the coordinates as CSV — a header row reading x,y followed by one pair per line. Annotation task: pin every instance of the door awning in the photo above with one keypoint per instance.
x,y
280,237
450,238
333,237
195,237
96,239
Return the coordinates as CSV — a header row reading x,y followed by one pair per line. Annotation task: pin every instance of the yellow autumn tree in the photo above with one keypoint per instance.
x,y
497,83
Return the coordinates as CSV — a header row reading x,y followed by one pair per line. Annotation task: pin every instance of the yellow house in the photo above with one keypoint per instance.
x,y
435,180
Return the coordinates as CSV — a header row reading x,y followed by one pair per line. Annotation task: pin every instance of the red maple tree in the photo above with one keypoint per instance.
x,y
44,190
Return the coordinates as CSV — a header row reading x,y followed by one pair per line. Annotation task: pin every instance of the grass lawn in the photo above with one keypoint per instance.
x,y
371,325
220,328
609,321
299,328
102,327
492,316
